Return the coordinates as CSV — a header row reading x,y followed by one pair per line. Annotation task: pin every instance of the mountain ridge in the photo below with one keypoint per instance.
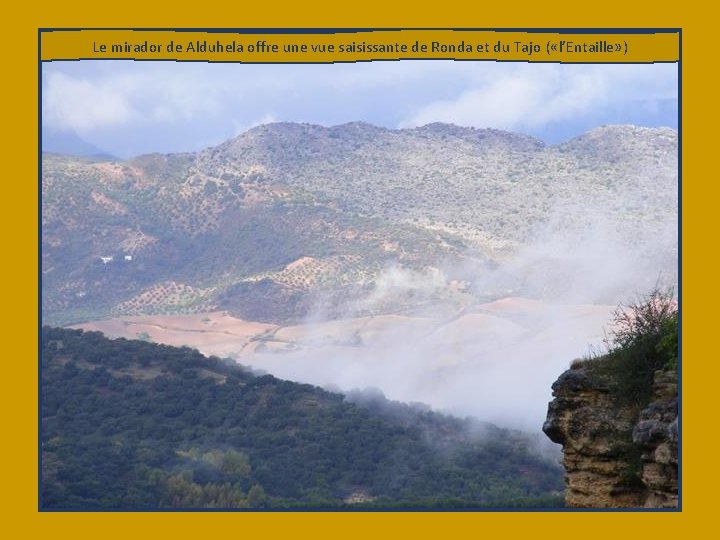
x,y
367,127
356,198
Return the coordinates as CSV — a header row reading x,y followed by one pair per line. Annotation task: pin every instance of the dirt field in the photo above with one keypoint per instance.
x,y
215,333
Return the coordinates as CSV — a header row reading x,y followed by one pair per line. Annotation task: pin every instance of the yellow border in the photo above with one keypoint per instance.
x,y
19,396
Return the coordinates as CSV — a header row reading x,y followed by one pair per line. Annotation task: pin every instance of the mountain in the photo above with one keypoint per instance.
x,y
70,143
287,220
134,425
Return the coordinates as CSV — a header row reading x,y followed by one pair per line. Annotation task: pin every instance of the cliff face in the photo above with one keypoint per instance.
x,y
616,455
656,433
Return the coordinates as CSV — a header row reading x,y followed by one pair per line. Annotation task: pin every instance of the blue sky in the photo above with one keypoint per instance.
x,y
129,108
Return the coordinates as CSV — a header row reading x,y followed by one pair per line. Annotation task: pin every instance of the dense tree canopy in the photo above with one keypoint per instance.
x,y
128,424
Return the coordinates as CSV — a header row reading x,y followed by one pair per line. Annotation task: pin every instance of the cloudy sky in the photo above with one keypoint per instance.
x,y
129,108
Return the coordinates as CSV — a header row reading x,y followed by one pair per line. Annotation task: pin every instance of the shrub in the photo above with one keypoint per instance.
x,y
642,339
669,344
647,318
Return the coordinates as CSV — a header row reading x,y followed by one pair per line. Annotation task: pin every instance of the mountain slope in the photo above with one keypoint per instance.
x,y
311,216
128,424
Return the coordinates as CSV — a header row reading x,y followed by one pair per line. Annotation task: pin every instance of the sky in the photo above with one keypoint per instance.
x,y
129,108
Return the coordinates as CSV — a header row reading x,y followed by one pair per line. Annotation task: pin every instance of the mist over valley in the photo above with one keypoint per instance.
x,y
463,268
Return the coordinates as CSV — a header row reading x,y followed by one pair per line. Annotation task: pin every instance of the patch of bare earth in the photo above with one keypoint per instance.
x,y
215,333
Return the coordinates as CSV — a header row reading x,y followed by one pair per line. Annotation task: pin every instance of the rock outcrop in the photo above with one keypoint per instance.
x,y
656,433
615,454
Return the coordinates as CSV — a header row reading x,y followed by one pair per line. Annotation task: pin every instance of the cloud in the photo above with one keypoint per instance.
x,y
127,97
82,105
530,96
136,107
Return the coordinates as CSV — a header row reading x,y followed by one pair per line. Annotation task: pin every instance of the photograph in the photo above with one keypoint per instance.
x,y
393,285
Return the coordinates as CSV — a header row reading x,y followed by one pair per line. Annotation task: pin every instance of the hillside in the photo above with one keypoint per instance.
x,y
128,424
288,220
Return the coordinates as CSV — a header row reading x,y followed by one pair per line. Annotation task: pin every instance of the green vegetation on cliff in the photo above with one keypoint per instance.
x,y
643,339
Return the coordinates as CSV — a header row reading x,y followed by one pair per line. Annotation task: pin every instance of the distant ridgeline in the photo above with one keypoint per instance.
x,y
129,424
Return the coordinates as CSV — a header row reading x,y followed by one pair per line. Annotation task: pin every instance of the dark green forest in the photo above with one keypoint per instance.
x,y
129,424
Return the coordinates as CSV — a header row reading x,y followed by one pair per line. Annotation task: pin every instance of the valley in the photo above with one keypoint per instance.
x,y
459,267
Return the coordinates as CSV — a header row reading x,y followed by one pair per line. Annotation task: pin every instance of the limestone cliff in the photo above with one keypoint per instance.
x,y
616,453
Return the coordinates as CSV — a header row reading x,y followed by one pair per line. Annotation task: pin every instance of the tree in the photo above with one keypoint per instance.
x,y
256,496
